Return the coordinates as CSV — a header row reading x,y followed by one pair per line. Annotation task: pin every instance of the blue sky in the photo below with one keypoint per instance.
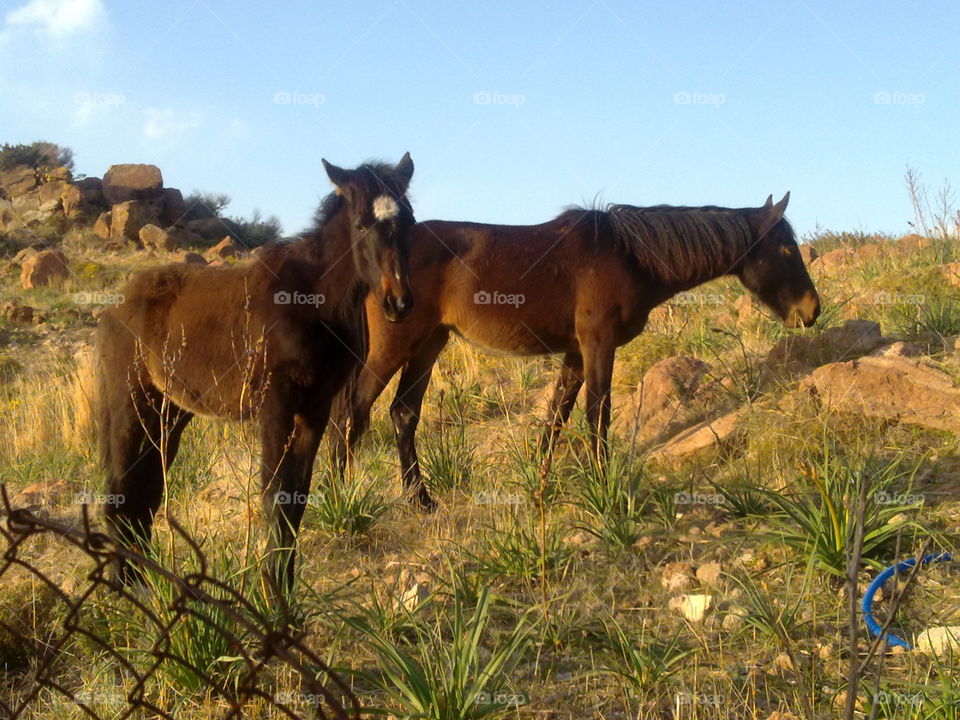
x,y
511,110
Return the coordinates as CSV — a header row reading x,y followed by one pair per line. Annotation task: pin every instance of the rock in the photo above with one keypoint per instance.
x,y
44,492
834,260
939,640
156,238
127,218
746,309
677,577
692,607
226,248
783,661
43,268
101,228
710,573
951,273
722,432
21,257
674,394
891,387
123,183
15,312
72,201
48,194
914,242
808,253
173,209
191,258
869,251
413,597
899,349
18,180
734,618
782,715
92,190
853,339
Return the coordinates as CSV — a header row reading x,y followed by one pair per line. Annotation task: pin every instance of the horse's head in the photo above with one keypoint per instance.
x,y
380,222
774,271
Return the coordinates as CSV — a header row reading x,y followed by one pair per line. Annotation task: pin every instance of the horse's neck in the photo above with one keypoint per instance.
x,y
337,278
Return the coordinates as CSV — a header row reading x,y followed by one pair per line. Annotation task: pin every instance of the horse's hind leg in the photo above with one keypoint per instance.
x,y
143,437
564,398
598,350
405,412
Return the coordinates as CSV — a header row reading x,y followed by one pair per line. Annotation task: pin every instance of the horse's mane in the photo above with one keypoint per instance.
x,y
676,242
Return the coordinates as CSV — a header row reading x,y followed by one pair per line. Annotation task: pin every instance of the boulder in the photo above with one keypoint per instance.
x,y
709,435
951,273
123,183
173,209
50,192
72,201
692,607
127,218
101,228
914,242
674,393
834,260
226,248
191,258
869,251
746,309
16,313
808,253
18,180
939,641
156,238
852,339
892,387
43,268
92,190
21,257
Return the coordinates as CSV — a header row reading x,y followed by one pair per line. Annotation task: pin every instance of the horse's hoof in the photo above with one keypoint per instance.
x,y
424,502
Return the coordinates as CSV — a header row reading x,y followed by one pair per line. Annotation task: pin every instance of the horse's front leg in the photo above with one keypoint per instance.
x,y
598,354
289,447
565,393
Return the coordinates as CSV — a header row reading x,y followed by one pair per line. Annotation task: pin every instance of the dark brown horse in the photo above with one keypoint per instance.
x,y
272,340
581,284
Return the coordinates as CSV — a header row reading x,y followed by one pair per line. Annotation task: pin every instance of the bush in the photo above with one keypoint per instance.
x,y
36,155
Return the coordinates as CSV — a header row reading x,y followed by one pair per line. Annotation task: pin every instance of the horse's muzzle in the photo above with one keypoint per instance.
x,y
805,312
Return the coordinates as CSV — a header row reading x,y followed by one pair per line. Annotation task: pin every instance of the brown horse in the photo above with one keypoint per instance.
x,y
272,340
581,284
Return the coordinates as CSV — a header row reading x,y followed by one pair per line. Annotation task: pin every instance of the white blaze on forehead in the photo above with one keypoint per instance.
x,y
385,208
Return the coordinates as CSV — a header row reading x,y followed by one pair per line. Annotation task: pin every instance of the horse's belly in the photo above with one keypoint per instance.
x,y
512,338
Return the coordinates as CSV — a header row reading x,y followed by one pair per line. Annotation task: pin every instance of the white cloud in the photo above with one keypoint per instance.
x,y
166,124
59,18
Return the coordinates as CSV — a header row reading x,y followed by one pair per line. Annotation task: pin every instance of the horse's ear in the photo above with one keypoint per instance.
x,y
770,214
338,176
405,171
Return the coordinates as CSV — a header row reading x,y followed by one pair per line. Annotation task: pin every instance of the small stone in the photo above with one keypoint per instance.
x,y
709,573
939,641
692,607
677,576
